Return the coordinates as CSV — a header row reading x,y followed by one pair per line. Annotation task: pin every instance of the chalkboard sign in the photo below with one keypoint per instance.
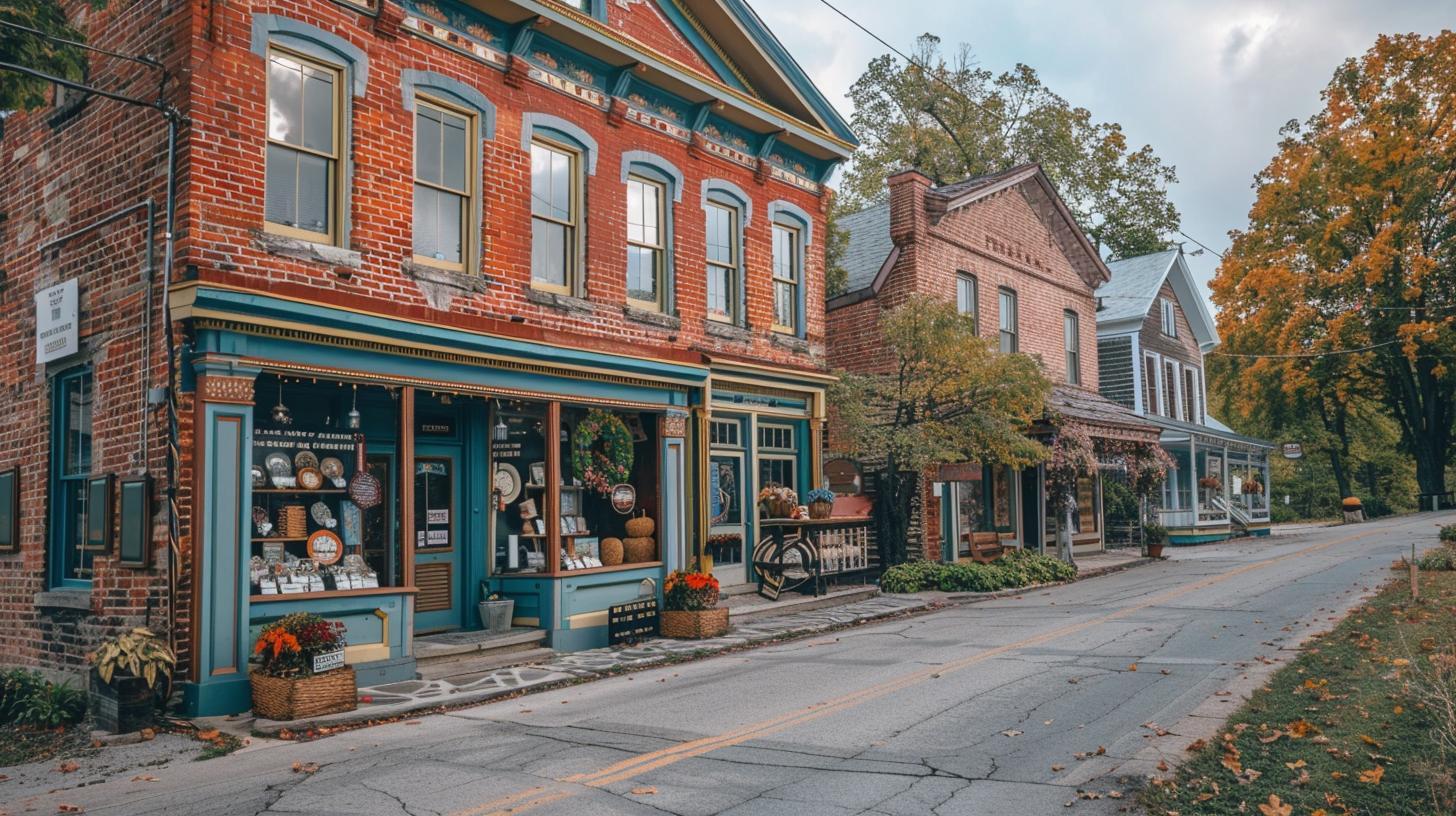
x,y
10,510
632,621
99,491
135,541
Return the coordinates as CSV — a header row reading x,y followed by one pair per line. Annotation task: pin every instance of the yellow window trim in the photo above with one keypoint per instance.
x,y
471,229
331,236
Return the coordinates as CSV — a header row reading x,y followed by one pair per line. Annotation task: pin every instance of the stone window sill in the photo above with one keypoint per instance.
x,y
727,331
302,250
790,342
651,318
64,598
556,300
441,286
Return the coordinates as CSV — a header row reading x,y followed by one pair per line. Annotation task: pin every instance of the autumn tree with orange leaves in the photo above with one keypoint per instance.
x,y
1351,245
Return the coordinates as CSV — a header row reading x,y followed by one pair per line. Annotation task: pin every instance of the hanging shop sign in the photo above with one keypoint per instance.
x,y
57,325
624,498
632,621
1293,450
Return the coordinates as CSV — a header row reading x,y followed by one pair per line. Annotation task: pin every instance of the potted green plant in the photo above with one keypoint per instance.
x,y
131,675
690,606
1155,537
299,671
821,503
496,611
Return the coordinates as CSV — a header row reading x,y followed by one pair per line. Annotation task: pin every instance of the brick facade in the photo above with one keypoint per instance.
x,y
57,173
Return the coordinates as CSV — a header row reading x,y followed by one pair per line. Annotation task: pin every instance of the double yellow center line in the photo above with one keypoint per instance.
x,y
542,795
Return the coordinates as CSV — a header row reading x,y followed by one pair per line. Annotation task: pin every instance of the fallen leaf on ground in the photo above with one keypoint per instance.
x,y
209,735
644,790
1274,807
67,767
1163,765
305,767
1196,745
1369,740
1372,776
144,778
1058,768
1132,667
1011,733
148,734
65,808
1296,765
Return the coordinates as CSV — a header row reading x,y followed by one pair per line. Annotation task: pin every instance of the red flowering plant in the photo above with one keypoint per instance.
x,y
689,591
287,647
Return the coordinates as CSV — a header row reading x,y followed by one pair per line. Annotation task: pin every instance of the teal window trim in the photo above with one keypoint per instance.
x,y
352,63
61,519
724,193
557,129
788,214
653,167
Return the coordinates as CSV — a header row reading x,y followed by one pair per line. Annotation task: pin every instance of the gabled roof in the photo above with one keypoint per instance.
x,y
1127,298
869,245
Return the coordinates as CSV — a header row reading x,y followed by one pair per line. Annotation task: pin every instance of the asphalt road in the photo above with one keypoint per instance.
x,y
977,709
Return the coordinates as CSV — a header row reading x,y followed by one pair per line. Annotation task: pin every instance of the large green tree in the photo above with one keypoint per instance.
x,y
951,119
946,395
20,91
1351,247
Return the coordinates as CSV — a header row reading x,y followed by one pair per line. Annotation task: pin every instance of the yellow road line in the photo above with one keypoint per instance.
x,y
653,760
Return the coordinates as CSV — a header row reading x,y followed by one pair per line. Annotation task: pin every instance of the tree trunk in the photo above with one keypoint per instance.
x,y
892,516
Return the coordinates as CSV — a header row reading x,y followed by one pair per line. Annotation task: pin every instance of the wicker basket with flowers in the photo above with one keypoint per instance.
x,y
298,669
690,606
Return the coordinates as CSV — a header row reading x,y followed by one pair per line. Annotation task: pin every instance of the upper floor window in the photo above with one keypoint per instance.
x,y
788,268
1192,402
555,213
1169,317
646,242
302,176
1008,321
968,299
1150,384
1171,406
70,467
725,263
444,185
1071,337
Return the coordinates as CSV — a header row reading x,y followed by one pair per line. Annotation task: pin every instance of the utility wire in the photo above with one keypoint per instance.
x,y
1306,356
143,59
1210,249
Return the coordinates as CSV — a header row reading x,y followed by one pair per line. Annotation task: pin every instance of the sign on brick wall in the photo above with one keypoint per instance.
x,y
57,327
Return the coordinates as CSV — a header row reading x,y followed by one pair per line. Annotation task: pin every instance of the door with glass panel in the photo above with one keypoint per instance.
x,y
727,493
439,543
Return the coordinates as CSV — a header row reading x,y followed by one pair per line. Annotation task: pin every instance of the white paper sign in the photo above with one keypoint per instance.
x,y
328,660
57,327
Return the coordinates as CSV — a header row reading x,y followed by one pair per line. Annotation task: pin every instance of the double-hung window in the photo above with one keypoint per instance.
x,y
787,273
1008,321
646,243
725,263
1150,384
1071,337
302,177
444,185
555,214
1169,317
70,465
968,300
1171,406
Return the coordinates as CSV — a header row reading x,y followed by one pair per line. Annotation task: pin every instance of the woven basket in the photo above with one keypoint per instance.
x,y
294,698
694,625
611,552
777,508
639,550
820,510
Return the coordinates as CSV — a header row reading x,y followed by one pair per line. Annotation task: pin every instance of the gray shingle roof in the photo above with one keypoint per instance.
x,y
1135,282
869,245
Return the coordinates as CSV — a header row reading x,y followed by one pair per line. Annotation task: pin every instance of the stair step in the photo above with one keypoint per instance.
x,y
790,605
457,645
738,589
471,669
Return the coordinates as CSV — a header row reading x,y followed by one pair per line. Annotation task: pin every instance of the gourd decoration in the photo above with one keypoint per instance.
x,y
612,552
639,549
641,526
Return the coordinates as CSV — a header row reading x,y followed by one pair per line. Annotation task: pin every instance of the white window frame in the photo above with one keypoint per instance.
x,y
1152,361
974,287
1015,310
1072,341
1169,317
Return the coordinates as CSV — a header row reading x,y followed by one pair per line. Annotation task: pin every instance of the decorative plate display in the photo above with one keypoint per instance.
x,y
279,465
332,467
624,498
324,547
310,478
305,459
321,514
260,479
508,482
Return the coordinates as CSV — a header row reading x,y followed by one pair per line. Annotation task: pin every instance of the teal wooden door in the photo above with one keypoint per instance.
x,y
439,544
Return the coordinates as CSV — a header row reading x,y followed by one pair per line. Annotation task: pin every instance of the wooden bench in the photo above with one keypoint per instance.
x,y
984,547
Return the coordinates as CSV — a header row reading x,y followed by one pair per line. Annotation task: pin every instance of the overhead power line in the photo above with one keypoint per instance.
x,y
1206,247
1304,356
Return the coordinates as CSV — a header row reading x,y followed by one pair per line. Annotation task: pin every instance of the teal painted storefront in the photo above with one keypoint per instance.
x,y
243,339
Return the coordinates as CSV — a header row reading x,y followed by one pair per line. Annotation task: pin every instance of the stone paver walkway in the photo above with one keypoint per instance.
x,y
395,699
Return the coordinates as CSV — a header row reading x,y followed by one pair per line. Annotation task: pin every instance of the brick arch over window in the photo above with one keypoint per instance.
x,y
555,125
653,167
449,90
791,215
642,159
718,194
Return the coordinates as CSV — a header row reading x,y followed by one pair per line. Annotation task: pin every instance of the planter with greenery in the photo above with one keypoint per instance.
x,y
496,611
690,606
131,679
289,676
1155,537
1017,568
821,503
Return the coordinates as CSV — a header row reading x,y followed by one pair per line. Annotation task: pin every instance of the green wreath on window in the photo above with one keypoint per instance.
x,y
612,464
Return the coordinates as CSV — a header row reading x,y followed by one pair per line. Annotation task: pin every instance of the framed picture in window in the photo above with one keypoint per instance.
x,y
538,473
99,517
10,510
134,537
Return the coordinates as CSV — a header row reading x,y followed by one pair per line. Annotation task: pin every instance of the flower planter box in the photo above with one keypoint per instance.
x,y
124,705
704,623
294,698
820,510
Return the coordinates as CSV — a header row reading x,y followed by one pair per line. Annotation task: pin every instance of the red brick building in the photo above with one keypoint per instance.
x,y
1005,248
525,262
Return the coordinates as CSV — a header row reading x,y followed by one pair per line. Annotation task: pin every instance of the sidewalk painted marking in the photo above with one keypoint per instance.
x,y
653,760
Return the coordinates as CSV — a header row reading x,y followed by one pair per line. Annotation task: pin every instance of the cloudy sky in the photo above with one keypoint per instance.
x,y
1207,83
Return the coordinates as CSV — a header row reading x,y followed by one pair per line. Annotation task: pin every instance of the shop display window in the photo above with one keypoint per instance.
x,y
322,474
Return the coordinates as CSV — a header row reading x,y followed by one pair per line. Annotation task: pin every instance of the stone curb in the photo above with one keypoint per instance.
x,y
572,668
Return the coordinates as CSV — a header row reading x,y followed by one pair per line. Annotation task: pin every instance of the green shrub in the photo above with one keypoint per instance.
x,y
969,578
911,576
27,698
1017,568
1441,558
1448,533
1376,507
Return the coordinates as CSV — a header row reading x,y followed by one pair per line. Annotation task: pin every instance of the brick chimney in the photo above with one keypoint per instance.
x,y
907,204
